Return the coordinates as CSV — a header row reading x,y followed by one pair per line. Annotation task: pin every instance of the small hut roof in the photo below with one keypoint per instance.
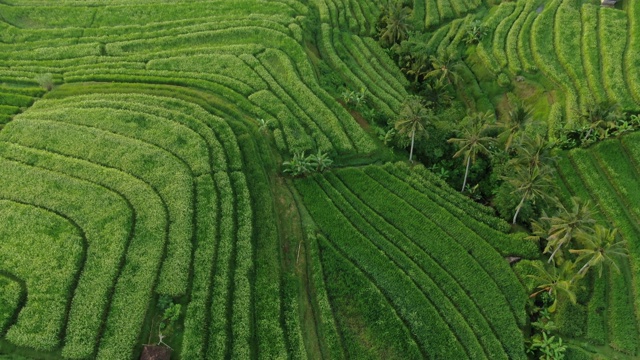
x,y
155,352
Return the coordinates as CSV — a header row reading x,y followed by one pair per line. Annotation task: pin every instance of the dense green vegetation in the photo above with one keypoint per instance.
x,y
229,179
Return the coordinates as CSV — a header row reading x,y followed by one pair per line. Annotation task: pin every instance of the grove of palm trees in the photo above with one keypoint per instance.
x,y
319,179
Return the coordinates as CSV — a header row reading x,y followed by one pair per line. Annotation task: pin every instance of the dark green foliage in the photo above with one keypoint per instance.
x,y
571,319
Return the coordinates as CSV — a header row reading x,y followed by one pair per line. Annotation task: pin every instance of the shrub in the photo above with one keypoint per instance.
x,y
45,81
503,80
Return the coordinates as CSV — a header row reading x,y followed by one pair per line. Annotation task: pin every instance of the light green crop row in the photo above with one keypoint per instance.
x,y
445,9
632,55
360,140
327,326
500,41
327,49
107,223
240,34
437,38
135,105
371,63
297,139
323,10
352,293
612,47
432,15
132,14
612,159
15,99
53,53
133,291
554,121
160,110
291,116
170,177
224,80
459,7
282,72
485,263
223,64
492,229
376,89
219,126
385,61
621,325
173,137
222,273
524,44
455,27
515,65
243,294
485,47
178,104
267,294
451,301
345,19
482,102
596,331
230,99
544,54
591,52
392,281
48,262
567,43
612,209
460,35
196,320
11,297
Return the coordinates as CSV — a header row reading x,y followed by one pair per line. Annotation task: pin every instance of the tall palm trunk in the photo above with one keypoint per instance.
x,y
554,254
413,135
466,173
584,268
519,208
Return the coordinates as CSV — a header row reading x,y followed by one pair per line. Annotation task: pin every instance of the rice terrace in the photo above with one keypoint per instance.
x,y
320,179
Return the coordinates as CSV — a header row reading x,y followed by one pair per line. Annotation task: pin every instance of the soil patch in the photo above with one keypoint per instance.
x,y
155,352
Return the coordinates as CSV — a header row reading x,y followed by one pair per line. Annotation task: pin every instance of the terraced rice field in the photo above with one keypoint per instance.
x,y
145,170
607,174
406,240
535,35
430,13
152,170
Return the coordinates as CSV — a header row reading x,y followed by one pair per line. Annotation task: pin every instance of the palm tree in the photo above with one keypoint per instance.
x,y
601,248
436,92
471,141
397,22
558,282
531,184
513,126
568,224
445,67
413,120
533,152
417,66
